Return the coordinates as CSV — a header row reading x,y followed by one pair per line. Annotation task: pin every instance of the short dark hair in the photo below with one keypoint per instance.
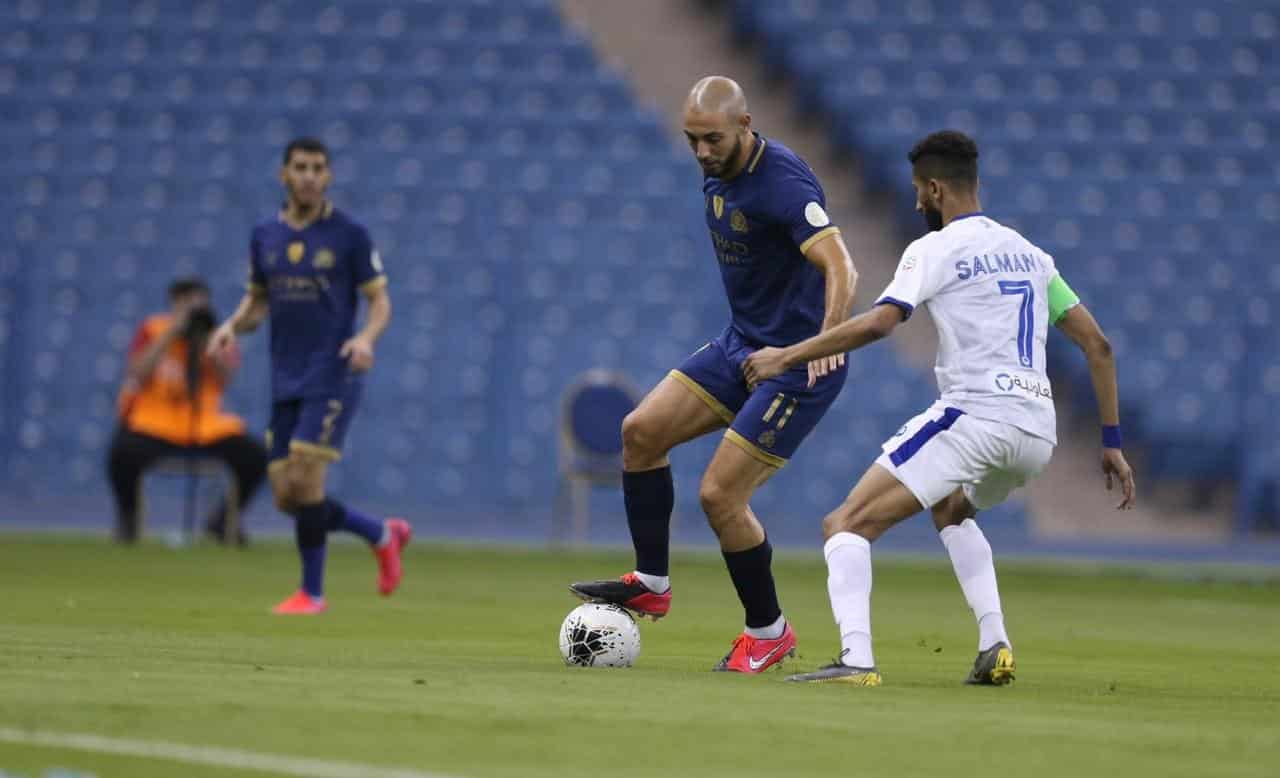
x,y
313,145
181,287
947,155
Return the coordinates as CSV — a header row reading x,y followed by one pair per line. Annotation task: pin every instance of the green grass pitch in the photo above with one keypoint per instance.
x,y
1120,673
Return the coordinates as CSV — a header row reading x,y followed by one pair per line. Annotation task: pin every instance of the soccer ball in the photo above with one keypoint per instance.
x,y
596,635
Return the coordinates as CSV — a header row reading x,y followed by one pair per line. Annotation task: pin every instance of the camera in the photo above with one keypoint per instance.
x,y
200,323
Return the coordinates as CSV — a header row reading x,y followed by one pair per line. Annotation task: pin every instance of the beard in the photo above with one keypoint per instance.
x,y
716,168
309,200
932,218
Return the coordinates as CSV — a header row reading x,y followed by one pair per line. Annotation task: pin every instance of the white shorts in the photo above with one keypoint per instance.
x,y
944,448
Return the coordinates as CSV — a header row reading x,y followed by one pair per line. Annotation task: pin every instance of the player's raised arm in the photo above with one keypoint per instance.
x,y
831,256
1075,320
914,282
853,334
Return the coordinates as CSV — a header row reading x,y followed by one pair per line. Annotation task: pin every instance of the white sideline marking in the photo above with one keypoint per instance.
x,y
208,755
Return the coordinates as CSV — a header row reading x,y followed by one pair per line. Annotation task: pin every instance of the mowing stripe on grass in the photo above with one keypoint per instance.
x,y
208,755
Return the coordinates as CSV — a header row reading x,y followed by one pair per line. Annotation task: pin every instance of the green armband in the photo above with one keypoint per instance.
x,y
1061,299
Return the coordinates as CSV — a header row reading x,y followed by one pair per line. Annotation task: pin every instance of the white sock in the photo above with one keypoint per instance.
x,y
385,537
849,585
658,584
771,632
976,571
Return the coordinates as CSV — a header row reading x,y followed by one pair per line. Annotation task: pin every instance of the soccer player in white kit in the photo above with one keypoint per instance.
x,y
992,294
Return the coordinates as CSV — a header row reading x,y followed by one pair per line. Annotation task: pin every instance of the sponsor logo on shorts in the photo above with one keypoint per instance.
x,y
767,438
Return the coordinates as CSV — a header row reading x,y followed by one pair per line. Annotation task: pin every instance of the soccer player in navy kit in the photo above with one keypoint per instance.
x,y
787,274
306,270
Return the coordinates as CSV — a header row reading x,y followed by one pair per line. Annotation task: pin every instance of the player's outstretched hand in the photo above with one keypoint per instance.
x,y
765,364
1115,467
220,340
358,352
822,367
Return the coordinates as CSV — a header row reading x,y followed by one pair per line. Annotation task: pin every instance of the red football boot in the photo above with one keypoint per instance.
x,y
627,592
301,604
390,571
755,655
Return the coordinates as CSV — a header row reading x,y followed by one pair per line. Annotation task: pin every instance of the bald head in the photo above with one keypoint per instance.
x,y
717,94
717,126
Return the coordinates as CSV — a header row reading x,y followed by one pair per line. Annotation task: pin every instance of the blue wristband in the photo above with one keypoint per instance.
x,y
1111,436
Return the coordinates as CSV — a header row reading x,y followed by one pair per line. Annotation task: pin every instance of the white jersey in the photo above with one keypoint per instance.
x,y
987,288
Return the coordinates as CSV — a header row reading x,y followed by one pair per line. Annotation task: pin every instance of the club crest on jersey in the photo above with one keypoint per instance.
x,y
717,206
296,251
324,259
737,220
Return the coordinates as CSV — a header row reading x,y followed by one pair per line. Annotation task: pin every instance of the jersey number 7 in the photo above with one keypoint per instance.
x,y
1026,317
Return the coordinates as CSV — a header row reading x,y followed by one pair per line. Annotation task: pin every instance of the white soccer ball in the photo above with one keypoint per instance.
x,y
598,635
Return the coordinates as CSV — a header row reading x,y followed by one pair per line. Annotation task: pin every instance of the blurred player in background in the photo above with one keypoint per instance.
x,y
306,270
788,276
991,293
170,405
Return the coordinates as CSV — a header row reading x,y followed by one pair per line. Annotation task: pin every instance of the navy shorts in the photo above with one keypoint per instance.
x,y
770,422
313,425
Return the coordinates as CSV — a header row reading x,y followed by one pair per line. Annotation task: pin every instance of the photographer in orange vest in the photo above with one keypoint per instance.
x,y
171,407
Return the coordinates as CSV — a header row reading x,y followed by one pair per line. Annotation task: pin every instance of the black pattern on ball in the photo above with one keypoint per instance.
x,y
586,644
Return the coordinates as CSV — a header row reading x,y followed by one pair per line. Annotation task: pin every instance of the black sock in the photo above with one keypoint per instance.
x,y
753,578
649,496
310,532
311,523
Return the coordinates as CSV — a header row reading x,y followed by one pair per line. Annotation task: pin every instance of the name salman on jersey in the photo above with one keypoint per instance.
x,y
1018,263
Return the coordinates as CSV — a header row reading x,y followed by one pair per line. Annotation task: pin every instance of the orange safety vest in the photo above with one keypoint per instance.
x,y
161,407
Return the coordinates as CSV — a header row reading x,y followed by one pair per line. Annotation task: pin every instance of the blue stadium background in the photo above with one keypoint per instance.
x,y
536,220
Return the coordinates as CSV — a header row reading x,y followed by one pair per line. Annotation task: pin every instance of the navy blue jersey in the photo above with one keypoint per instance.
x,y
761,222
312,278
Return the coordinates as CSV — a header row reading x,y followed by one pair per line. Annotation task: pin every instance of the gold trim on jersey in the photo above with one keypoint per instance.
x,y
327,453
702,394
755,160
755,451
373,285
825,232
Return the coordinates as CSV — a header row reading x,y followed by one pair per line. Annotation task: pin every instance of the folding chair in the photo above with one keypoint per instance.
x,y
194,469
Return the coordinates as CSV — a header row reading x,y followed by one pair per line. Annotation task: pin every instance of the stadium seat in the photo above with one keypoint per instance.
x,y
591,414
